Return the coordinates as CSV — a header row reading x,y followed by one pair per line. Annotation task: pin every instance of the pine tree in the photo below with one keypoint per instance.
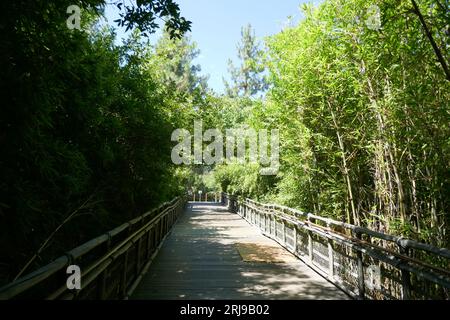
x,y
248,79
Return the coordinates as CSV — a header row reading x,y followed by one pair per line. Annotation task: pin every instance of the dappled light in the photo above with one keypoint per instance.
x,y
201,259
225,149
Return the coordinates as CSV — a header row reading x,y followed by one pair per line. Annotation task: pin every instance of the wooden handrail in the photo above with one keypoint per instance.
x,y
141,236
329,244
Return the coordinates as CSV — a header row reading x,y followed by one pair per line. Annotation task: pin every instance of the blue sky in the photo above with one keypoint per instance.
x,y
216,27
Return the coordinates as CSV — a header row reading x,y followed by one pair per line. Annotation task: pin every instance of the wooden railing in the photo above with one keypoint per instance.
x,y
111,265
205,197
364,263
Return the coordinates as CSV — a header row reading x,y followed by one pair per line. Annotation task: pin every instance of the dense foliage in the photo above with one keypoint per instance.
x,y
363,114
362,111
85,127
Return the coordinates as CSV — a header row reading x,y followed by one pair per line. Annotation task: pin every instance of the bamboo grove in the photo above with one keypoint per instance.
x,y
363,116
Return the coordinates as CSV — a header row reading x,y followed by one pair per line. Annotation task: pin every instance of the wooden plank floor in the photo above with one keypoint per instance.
x,y
200,260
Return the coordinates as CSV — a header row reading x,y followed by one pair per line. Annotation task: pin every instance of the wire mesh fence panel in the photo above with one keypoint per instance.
x,y
363,262
290,236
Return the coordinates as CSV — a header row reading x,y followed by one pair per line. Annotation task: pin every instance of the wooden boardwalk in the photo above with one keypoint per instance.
x,y
214,254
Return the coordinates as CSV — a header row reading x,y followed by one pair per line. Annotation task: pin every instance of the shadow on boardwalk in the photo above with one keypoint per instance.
x,y
200,260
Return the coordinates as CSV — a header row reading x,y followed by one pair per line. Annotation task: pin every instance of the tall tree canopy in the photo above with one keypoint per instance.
x,y
363,114
85,127
248,79
361,103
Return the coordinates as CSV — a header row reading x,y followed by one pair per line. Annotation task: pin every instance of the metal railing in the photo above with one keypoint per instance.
x,y
364,263
111,265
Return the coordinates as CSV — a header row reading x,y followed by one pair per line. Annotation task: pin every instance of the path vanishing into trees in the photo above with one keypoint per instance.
x,y
214,254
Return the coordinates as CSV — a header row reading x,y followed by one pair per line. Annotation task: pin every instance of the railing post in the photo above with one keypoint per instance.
x,y
155,235
294,247
406,278
138,256
273,226
104,276
149,243
330,255
158,232
310,243
310,247
361,284
284,232
123,280
102,285
265,222
169,219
